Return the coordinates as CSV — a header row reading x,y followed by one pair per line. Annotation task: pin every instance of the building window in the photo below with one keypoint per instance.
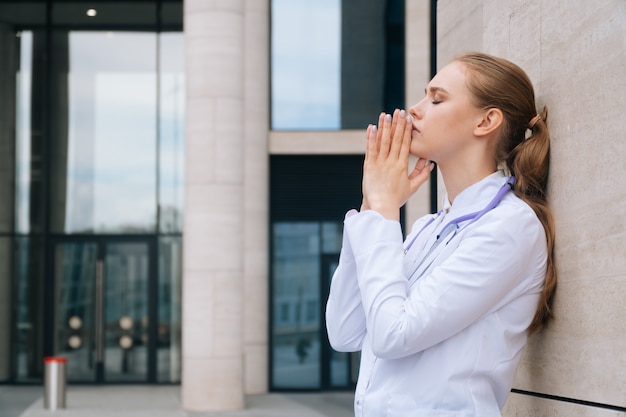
x,y
92,181
333,70
306,234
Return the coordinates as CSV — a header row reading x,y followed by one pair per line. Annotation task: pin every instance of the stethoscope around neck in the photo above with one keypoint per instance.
x,y
453,225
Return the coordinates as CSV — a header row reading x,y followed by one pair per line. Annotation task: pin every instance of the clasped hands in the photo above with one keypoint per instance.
x,y
387,183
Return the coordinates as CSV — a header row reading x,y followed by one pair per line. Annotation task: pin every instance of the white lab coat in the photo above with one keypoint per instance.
x,y
445,342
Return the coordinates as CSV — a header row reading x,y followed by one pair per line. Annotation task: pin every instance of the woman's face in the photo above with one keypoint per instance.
x,y
444,120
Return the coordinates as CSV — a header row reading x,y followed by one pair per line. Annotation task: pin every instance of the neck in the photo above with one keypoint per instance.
x,y
457,177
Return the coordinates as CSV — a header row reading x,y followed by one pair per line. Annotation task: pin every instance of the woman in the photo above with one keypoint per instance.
x,y
442,318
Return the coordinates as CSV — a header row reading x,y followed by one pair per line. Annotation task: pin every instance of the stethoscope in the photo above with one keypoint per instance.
x,y
453,225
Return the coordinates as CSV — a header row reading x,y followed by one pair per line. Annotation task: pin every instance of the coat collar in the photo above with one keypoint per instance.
x,y
476,196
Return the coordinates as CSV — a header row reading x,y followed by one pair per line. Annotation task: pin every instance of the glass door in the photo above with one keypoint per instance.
x,y
101,309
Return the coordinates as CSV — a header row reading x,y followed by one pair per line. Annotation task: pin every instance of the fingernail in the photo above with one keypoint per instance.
x,y
374,128
402,114
409,119
388,117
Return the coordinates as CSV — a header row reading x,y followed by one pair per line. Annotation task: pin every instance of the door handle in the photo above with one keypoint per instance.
x,y
99,325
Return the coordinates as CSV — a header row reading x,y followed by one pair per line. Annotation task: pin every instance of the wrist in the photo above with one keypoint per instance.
x,y
387,211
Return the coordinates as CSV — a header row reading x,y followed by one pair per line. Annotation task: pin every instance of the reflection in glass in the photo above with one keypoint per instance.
x,y
306,43
9,65
75,271
169,322
296,298
126,302
23,133
334,70
305,256
111,134
331,239
6,263
31,162
28,308
171,132
92,134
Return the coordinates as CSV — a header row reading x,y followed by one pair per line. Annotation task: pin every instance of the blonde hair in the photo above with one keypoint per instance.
x,y
497,83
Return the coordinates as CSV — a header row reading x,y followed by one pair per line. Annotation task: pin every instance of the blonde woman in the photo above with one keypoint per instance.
x,y
441,318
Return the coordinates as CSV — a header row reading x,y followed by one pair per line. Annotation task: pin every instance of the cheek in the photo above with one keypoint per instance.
x,y
418,147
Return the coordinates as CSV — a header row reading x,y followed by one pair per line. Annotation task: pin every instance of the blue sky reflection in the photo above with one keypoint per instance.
x,y
306,64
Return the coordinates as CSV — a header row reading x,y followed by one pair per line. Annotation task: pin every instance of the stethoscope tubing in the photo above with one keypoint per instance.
x,y
453,225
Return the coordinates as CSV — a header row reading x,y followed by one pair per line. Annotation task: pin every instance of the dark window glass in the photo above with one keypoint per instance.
x,y
9,76
17,13
27,308
101,13
6,299
169,321
172,14
309,197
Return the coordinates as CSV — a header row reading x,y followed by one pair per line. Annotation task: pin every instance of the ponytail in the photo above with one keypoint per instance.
x,y
529,162
497,83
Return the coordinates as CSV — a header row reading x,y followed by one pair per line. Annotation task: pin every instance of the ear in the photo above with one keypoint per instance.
x,y
491,121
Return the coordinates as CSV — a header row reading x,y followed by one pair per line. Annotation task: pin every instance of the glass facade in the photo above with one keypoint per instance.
x,y
335,64
92,141
308,199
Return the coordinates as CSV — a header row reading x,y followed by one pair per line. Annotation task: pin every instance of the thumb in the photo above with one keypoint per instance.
x,y
420,174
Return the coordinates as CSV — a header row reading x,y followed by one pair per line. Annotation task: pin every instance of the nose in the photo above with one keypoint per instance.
x,y
416,111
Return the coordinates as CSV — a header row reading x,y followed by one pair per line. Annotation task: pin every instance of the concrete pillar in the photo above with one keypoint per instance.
x,y
256,203
417,61
212,306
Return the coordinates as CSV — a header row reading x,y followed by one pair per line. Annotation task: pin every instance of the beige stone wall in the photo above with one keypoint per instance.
x,y
575,54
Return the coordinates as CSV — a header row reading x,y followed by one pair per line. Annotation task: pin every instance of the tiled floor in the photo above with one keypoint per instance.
x,y
164,401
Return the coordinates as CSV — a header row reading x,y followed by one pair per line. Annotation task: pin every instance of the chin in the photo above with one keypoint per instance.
x,y
418,153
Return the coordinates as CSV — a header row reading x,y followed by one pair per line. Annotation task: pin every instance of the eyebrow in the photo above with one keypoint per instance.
x,y
434,89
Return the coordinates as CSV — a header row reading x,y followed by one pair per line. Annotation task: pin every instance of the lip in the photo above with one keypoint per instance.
x,y
415,129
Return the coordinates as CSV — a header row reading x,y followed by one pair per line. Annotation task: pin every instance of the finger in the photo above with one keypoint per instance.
x,y
371,147
385,141
420,164
420,174
406,138
379,134
396,144
394,121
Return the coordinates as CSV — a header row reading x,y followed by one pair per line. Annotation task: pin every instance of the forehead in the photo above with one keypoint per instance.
x,y
450,78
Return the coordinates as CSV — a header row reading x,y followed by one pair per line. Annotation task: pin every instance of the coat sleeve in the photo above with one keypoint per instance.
x,y
345,320
486,270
